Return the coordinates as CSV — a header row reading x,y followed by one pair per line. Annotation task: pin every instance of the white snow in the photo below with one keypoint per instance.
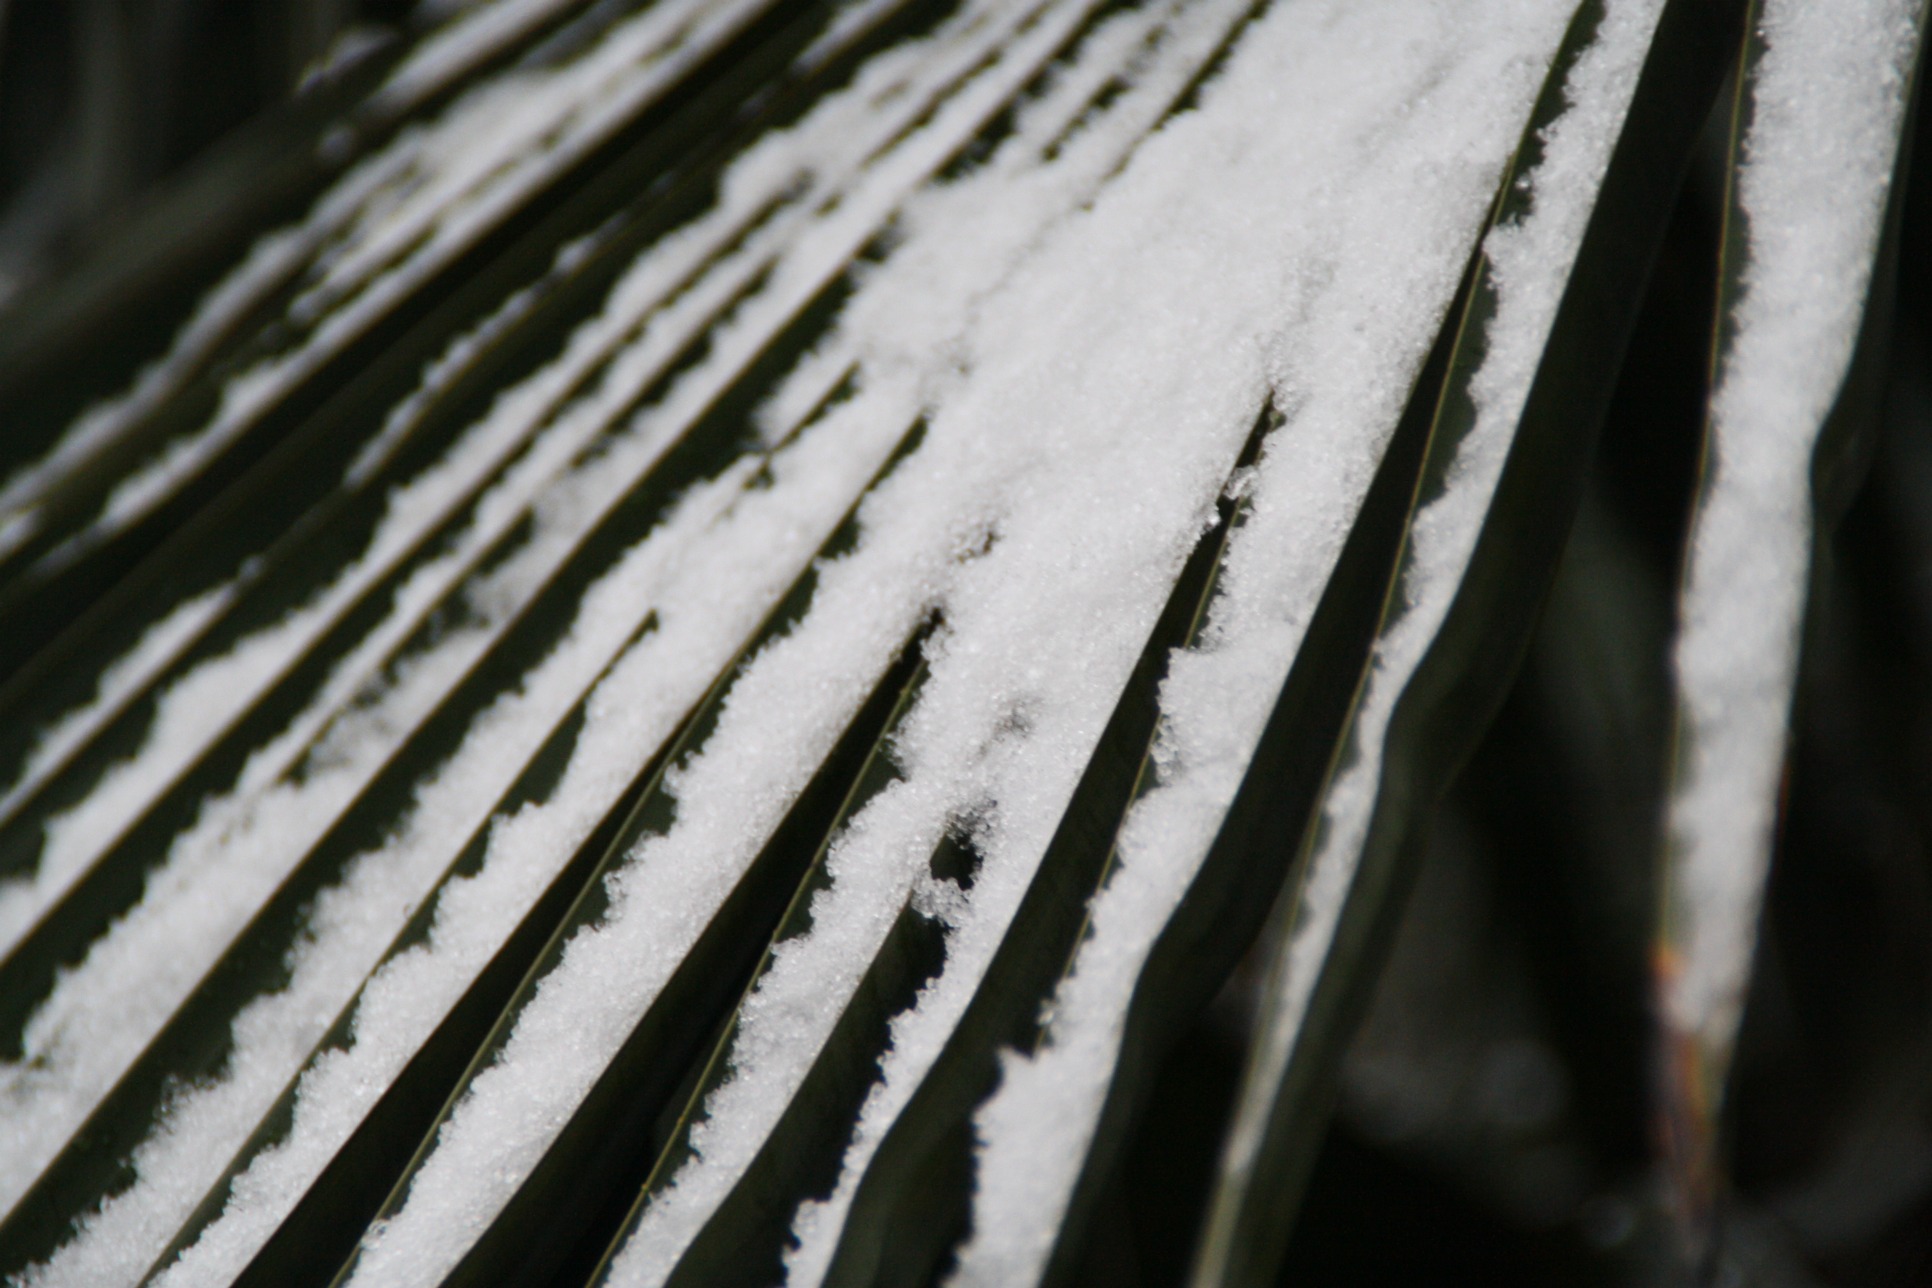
x,y
1530,262
1828,102
1089,431
1035,1128
179,902
473,36
636,338
388,188
441,59
633,710
1162,48
272,262
628,714
399,217
117,685
244,841
1087,322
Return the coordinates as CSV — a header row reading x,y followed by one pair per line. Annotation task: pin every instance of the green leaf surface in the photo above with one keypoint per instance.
x,y
1451,696
1695,1061
912,1201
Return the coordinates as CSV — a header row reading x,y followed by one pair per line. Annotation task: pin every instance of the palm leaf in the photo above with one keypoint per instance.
x,y
721,621
1778,467
1455,624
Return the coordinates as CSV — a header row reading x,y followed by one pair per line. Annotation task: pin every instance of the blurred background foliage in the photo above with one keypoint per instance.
x,y
102,101
1493,1123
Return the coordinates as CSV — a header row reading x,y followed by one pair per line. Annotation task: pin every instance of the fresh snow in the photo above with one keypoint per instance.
x,y
1529,262
1035,1129
203,703
271,263
475,34
1035,444
1828,99
635,705
441,59
64,1077
393,221
1085,322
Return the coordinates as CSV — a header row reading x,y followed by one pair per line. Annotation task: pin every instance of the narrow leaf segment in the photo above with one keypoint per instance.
x,y
1821,112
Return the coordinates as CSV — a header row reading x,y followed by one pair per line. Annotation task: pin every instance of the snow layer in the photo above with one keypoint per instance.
x,y
445,183
652,316
877,870
836,662
1529,263
823,153
1086,432
1035,1129
1827,104
244,842
1294,240
272,262
390,224
474,35
723,535
440,60
1164,48
119,682
205,697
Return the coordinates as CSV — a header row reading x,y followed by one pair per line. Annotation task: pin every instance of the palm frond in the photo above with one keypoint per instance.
x,y
679,642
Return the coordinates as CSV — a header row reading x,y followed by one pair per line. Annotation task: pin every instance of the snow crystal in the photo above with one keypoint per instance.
x,y
405,213
1086,321
1827,105
630,354
1035,1128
